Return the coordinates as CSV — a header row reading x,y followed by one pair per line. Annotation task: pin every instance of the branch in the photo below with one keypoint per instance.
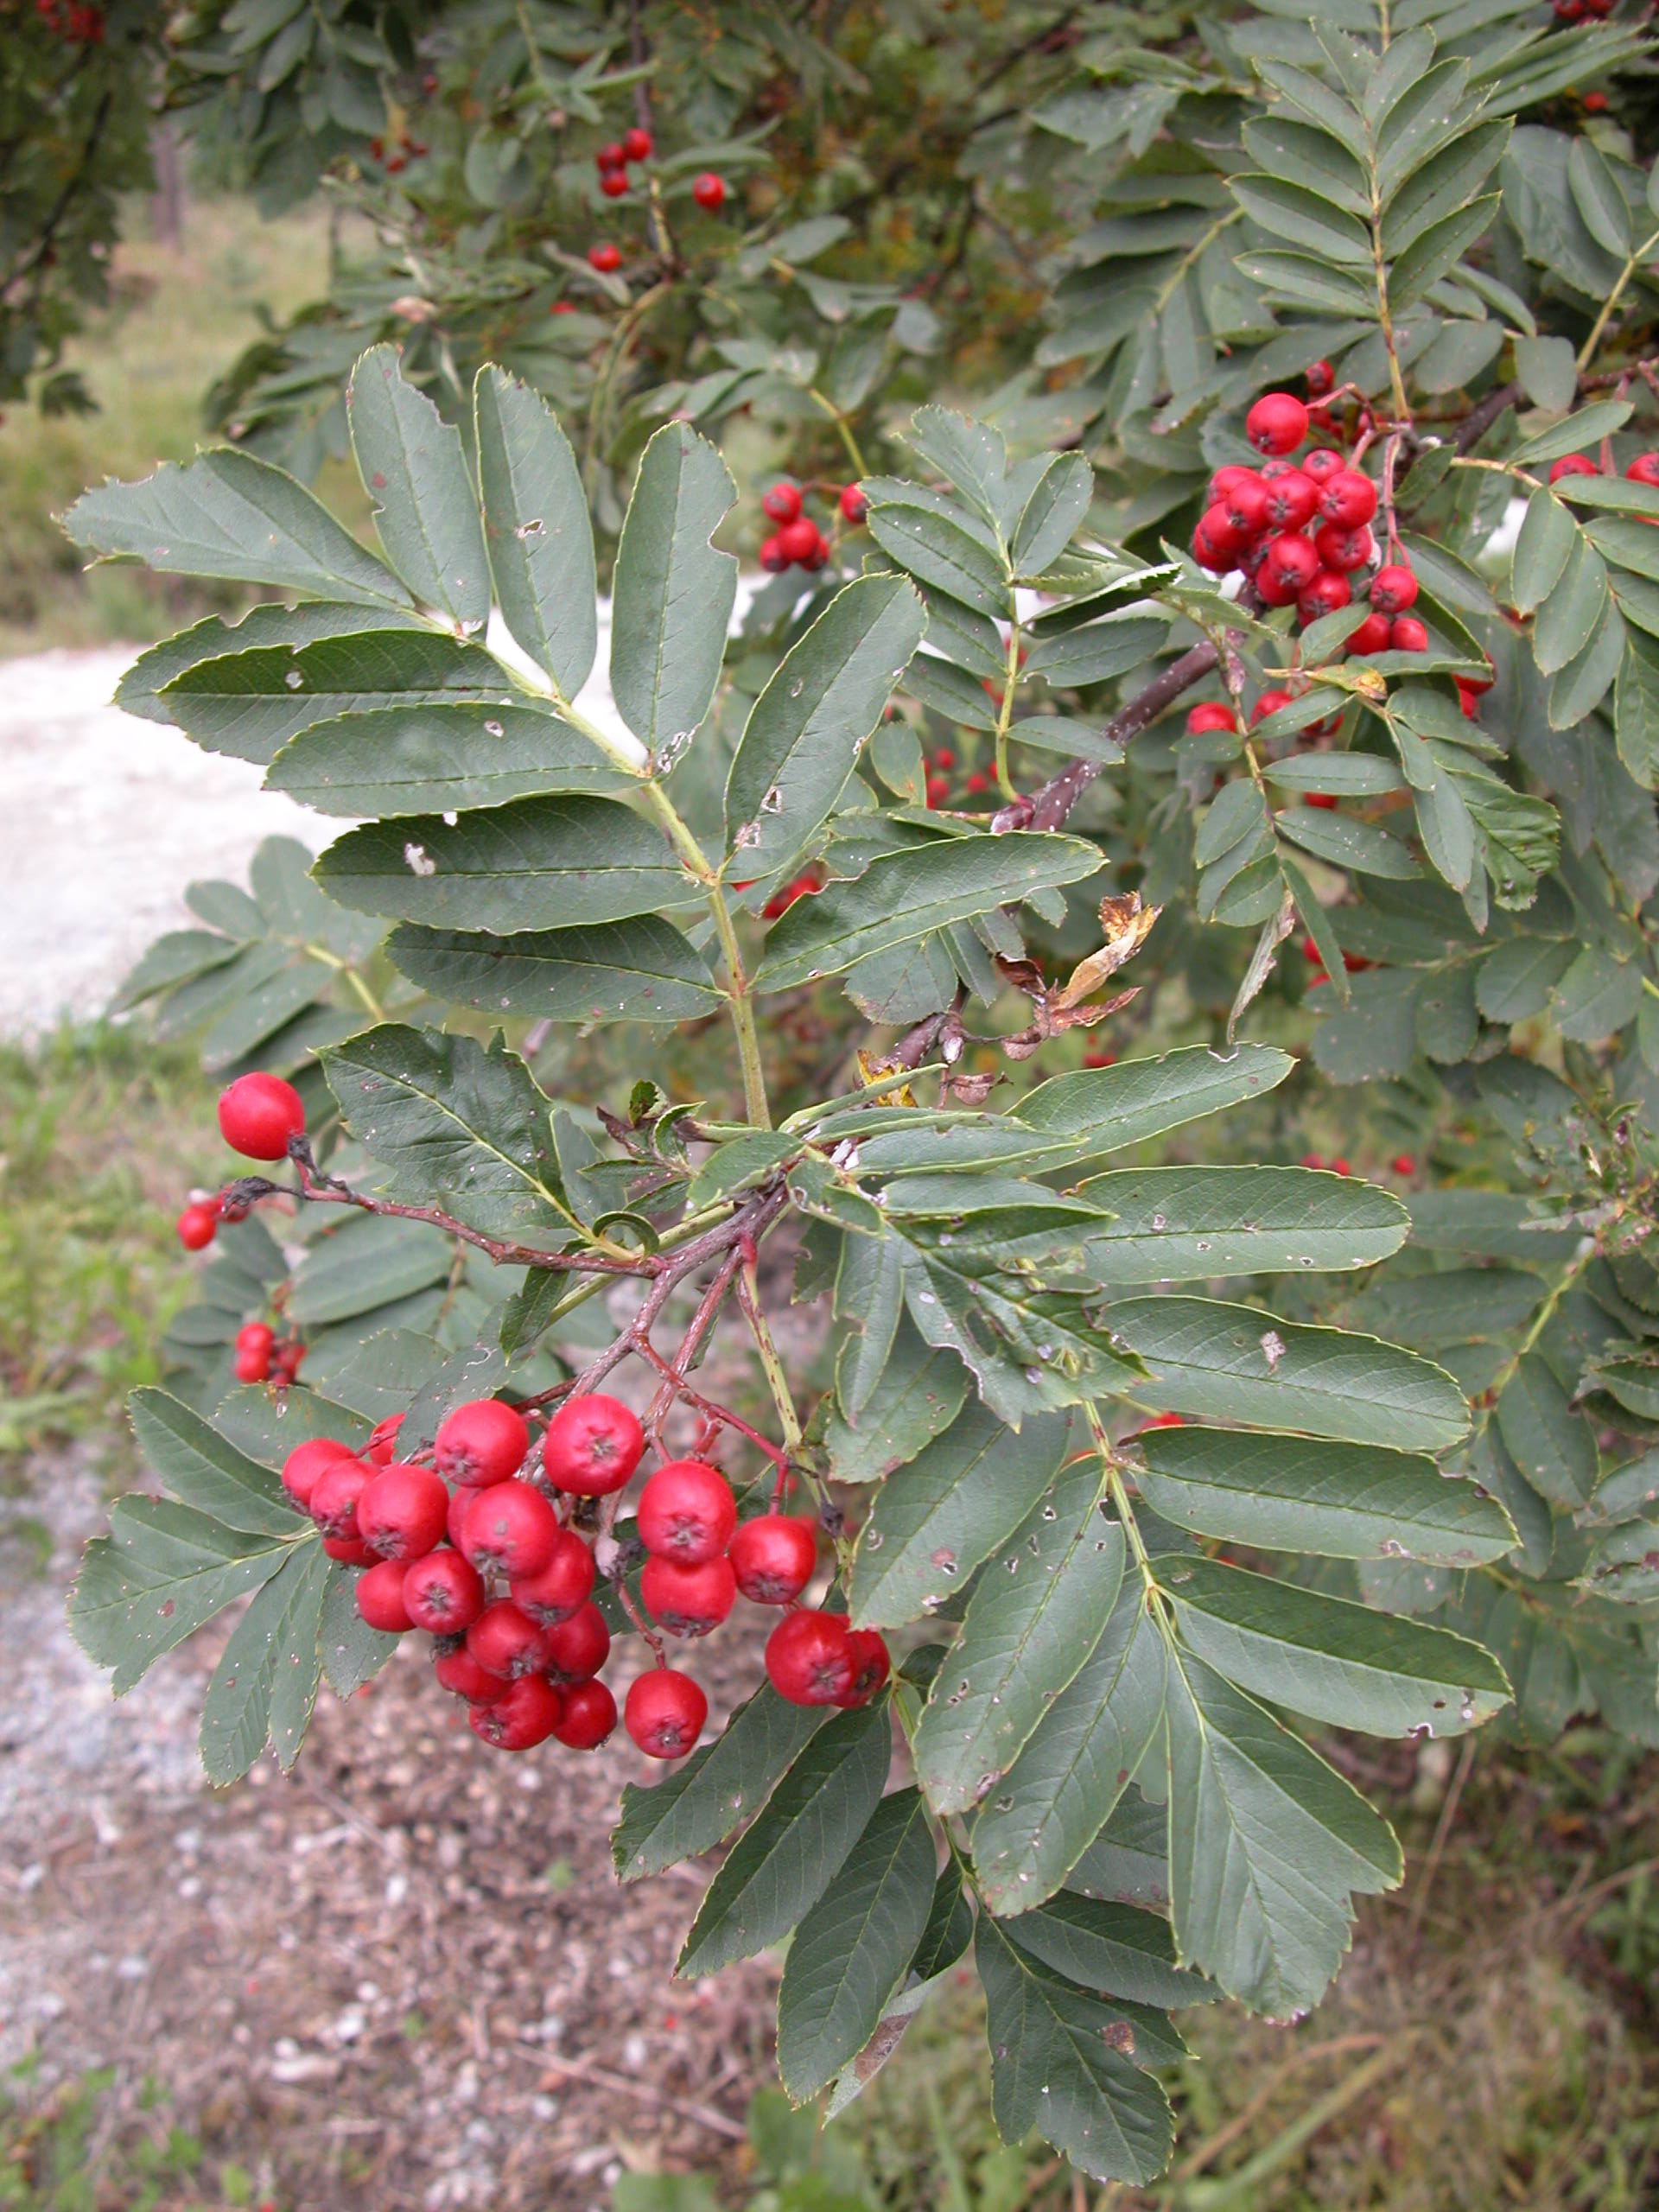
x,y
1047,808
1481,417
328,1190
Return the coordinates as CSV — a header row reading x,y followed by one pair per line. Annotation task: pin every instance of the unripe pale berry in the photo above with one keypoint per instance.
x,y
588,1718
808,1659
402,1512
509,1530
687,1600
773,1557
442,1594
480,1443
664,1713
523,1716
379,1596
1277,423
592,1445
578,1647
257,1115
197,1226
562,1586
304,1465
687,1511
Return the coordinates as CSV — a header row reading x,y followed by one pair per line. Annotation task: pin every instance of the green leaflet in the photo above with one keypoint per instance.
x,y
202,1470
429,758
1175,1222
673,592
541,541
697,1805
919,1393
640,969
415,473
265,1683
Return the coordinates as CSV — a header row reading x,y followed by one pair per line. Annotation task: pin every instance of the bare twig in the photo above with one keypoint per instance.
x,y
704,2115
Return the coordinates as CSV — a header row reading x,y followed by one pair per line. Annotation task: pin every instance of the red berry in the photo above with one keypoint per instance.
x,y
589,1716
520,1718
1268,703
798,887
350,1551
945,758
255,1335
382,1441
1324,799
798,540
380,1597
1340,1167
257,1115
773,559
1277,423
708,190
460,1674
1288,566
592,1445
251,1367
1170,1420
1572,464
197,1225
507,1643
442,1594
1408,635
1340,548
636,144
974,783
305,1464
608,259
563,1586
1216,543
781,504
509,1530
287,1359
1211,715
820,553
1372,635
773,1558
664,1713
1347,499
810,1659
687,1600
578,1647
1394,588
872,1663
1292,499
853,504
609,158
459,1501
402,1512
1326,594
335,1495
1245,503
937,790
480,1443
1644,469
687,1512
614,183
1320,378
1321,463
1403,1164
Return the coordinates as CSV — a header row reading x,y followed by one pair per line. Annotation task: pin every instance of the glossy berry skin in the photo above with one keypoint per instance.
x,y
256,1335
781,504
1245,503
664,1713
563,1586
1292,499
609,158
1218,542
592,1445
460,1674
304,1465
1394,588
1327,595
1268,703
250,1366
1644,469
1321,463
578,1647
1288,566
1572,464
614,183
380,1595
1224,480
1211,715
1277,423
872,1663
1320,378
798,540
853,504
588,1718
197,1226
402,1512
522,1717
773,559
383,1441
1408,635
350,1551
687,1600
459,1501
480,1443
687,1511
1340,548
442,1594
810,1659
606,258
1372,635
773,1558
1347,499
636,144
509,1530
257,1115
507,1643
709,191
335,1495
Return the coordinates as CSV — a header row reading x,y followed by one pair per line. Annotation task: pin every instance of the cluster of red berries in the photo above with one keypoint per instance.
x,y
798,541
259,1116
611,161
75,21
1644,469
941,766
405,150
1301,532
261,1356
1577,11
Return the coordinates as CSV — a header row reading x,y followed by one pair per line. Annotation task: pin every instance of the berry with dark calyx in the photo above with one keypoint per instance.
x,y
1216,543
578,1647
335,1495
1372,635
251,1367
1321,463
1327,593
197,1227
773,559
773,1558
1277,423
592,1445
853,504
480,1443
687,1512
810,1659
305,1464
442,1594
687,1600
1408,635
350,1551
1644,469
609,158
383,1441
1210,715
709,191
1320,378
872,1663
1245,503
1270,703
1292,499
1338,547
1572,464
820,553
379,1596
1394,588
258,1113
798,540
460,1674
605,257
522,1717
287,1360
1288,566
588,1718
562,1586
402,1512
509,1530
506,1642
1347,499
256,1335
636,144
781,504
664,1713
614,183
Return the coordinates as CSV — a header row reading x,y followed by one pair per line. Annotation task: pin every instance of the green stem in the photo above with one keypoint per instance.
x,y
1005,711
348,974
1121,1501
841,423
771,1365
1586,351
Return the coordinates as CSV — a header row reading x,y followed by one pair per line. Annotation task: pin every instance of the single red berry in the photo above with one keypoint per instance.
x,y
197,1226
820,553
1572,464
974,783
1320,378
258,1113
614,183
1347,499
402,1512
1327,593
506,1642
350,1551
287,1359
588,1718
1210,715
429,83
773,1558
945,758
1216,542
520,1718
1321,463
687,1600
708,190
809,1658
250,1366
1277,423
335,1495
442,1594
1292,498
636,144
1644,469
1245,503
798,540
1268,703
687,1512
798,887
773,559
664,1713
606,258
608,157
1288,566
578,1647
380,1597
1324,799
853,504
1167,1420
460,1674
1468,707
1403,1164
1341,548
563,1586
305,1464
592,1445
480,1443
1372,635
781,504
255,1335
382,1441
1340,1167
1408,635
1394,588
937,790
509,1530
872,1663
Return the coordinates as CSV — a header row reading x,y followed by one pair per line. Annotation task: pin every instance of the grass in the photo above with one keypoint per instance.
x,y
70,2155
